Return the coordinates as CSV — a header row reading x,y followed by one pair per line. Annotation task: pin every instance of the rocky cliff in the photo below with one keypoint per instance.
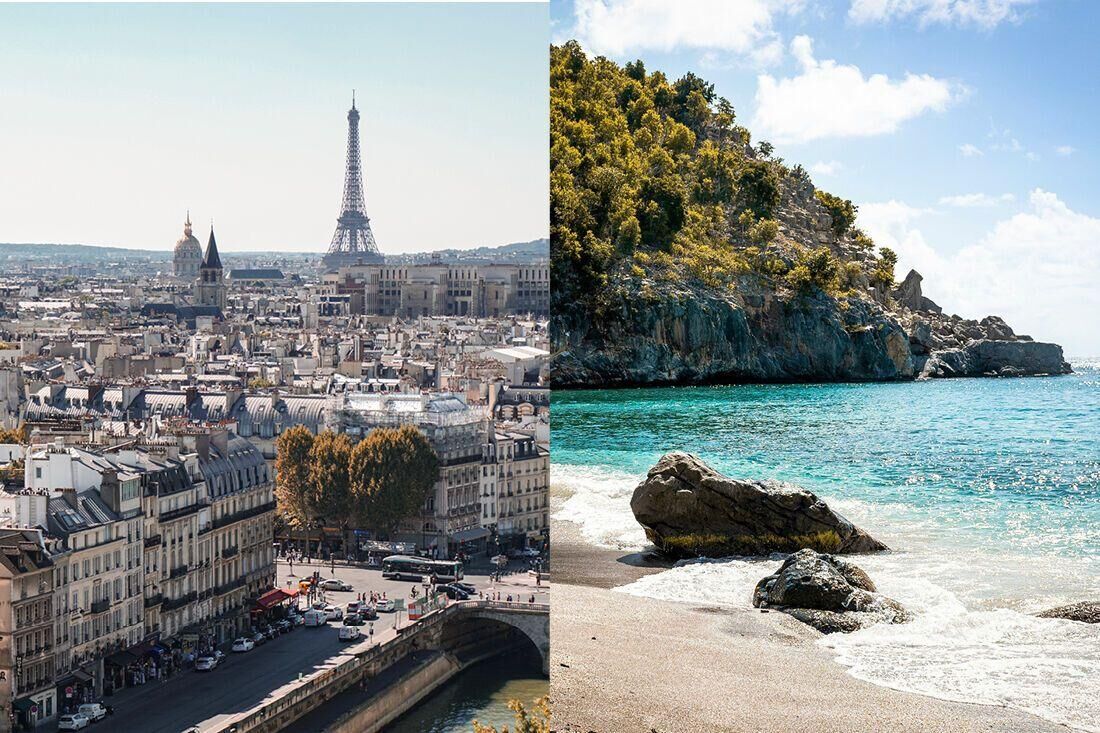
x,y
683,253
654,331
683,334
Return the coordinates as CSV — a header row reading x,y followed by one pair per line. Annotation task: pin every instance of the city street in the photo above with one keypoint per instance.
x,y
245,680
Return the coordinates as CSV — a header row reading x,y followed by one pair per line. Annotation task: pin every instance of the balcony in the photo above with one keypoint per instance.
x,y
152,541
232,585
178,572
181,512
171,604
101,605
154,601
230,552
255,511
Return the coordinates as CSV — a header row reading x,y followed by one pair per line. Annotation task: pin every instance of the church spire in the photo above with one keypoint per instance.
x,y
187,224
211,260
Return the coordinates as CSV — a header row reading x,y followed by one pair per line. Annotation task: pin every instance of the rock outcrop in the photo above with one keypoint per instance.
x,y
1087,612
690,510
826,592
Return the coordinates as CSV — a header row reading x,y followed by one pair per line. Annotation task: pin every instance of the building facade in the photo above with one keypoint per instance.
x,y
187,255
441,289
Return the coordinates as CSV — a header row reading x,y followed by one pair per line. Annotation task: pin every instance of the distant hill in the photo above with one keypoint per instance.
x,y
87,254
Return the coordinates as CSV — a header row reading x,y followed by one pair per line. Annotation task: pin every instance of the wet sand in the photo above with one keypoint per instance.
x,y
620,663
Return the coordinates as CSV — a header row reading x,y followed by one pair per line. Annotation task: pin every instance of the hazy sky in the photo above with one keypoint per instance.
x,y
965,130
116,119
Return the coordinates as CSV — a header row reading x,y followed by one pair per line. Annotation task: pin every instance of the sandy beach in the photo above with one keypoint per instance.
x,y
621,663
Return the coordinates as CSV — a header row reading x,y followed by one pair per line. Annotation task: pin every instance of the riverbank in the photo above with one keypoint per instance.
x,y
622,663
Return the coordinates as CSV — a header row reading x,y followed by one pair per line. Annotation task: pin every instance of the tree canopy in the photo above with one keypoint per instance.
x,y
392,471
653,178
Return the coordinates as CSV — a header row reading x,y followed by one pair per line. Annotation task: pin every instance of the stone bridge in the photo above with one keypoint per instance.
x,y
462,634
531,619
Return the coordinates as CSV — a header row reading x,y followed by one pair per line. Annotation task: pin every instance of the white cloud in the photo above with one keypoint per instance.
x,y
970,151
826,167
1037,269
976,200
984,14
1065,150
620,27
1003,141
833,100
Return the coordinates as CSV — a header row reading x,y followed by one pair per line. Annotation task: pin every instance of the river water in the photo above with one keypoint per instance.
x,y
480,693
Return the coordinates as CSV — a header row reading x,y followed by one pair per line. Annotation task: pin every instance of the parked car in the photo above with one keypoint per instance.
x,y
349,633
531,552
368,613
334,613
353,607
386,606
335,584
295,619
259,638
269,631
244,644
205,664
93,711
452,592
72,721
283,625
469,589
353,619
219,656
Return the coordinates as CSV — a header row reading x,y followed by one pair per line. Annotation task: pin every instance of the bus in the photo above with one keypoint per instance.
x,y
406,567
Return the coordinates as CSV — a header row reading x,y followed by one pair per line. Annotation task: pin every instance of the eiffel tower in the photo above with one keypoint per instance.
x,y
353,242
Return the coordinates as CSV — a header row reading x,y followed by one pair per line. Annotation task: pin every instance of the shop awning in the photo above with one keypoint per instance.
x,y
290,592
81,676
272,598
121,659
24,704
469,535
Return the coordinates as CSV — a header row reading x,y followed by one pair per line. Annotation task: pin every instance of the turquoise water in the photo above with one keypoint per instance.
x,y
987,489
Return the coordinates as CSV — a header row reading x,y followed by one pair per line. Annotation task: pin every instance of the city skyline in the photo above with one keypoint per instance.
x,y
250,130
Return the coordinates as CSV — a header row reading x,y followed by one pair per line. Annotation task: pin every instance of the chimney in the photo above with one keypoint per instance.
x,y
69,495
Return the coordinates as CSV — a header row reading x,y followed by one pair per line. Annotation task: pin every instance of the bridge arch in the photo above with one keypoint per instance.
x,y
485,621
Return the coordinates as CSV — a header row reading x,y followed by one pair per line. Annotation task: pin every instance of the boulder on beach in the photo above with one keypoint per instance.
x,y
690,510
826,592
1087,612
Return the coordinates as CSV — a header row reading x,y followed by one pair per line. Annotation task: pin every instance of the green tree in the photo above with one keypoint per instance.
x,y
533,720
392,471
841,211
294,488
329,459
759,189
883,272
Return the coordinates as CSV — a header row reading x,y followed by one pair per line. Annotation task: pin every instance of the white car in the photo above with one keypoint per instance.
x,y
243,645
334,613
335,584
349,633
72,721
93,711
385,606
205,664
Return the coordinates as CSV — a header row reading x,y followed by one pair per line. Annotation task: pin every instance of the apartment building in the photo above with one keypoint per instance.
x,y
27,692
515,489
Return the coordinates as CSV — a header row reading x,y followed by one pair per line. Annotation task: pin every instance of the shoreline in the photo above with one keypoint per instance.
x,y
622,663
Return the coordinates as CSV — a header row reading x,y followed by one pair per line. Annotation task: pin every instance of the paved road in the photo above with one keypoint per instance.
x,y
244,680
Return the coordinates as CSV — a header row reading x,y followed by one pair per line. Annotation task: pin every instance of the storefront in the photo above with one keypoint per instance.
x,y
75,688
469,542
35,709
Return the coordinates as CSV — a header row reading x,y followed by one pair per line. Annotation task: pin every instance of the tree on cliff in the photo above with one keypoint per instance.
x,y
294,487
391,473
653,179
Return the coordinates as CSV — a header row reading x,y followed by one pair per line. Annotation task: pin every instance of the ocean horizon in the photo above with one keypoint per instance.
x,y
987,491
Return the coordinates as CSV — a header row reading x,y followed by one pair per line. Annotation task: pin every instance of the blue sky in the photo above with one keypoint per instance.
x,y
115,119
964,129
